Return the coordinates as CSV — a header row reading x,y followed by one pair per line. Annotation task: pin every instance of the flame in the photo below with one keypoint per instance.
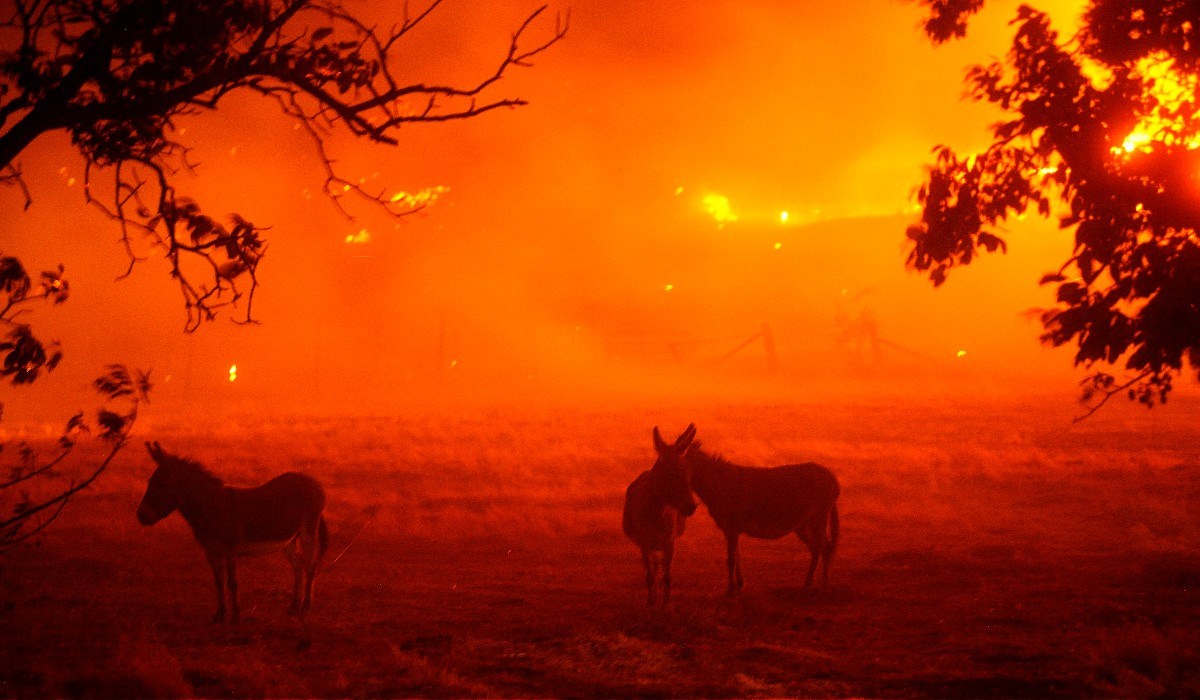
x,y
719,207
233,373
420,198
960,354
363,236
1169,92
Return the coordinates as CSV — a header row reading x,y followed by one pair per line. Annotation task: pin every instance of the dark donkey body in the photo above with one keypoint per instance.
x,y
657,506
766,503
283,514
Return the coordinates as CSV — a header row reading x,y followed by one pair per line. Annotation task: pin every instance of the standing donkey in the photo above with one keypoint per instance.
x,y
657,506
284,513
767,503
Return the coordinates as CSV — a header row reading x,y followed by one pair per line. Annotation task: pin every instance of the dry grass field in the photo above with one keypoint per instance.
x,y
986,550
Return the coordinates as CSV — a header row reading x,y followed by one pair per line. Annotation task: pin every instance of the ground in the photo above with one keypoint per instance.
x,y
987,550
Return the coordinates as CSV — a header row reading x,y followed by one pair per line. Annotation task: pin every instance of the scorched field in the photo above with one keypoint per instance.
x,y
986,550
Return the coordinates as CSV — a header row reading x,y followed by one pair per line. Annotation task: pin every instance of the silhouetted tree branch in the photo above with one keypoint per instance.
x,y
30,494
116,74
1101,131
24,355
32,512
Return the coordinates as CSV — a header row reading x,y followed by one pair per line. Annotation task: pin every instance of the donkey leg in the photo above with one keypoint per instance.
x,y
308,582
218,568
294,558
650,564
831,543
733,563
232,582
310,548
828,554
807,536
668,556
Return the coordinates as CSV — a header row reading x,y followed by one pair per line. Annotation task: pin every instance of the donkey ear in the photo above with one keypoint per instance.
x,y
659,444
686,438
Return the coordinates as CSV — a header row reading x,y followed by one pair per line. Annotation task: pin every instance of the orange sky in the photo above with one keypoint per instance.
x,y
543,272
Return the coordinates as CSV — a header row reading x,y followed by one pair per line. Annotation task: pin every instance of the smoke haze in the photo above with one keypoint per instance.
x,y
624,235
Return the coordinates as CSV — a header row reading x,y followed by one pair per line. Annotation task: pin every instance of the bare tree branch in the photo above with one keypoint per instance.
x,y
115,77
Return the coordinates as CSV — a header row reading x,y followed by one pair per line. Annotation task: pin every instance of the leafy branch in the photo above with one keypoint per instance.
x,y
122,393
1101,131
116,76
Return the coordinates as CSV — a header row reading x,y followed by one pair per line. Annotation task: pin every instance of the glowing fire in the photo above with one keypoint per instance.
x,y
363,236
420,198
1169,92
960,354
719,207
233,373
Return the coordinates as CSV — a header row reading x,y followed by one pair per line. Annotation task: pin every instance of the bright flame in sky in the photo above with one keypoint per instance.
x,y
960,354
719,207
1172,90
233,373
1136,140
363,236
420,198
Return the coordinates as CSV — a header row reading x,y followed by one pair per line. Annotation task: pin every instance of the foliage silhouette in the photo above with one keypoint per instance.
x,y
31,493
1102,131
115,75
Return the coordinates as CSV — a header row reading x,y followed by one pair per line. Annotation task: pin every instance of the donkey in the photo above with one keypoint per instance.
x,y
284,513
765,503
657,506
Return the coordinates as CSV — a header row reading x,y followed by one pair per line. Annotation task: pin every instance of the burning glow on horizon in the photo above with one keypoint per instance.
x,y
668,288
719,207
783,216
233,373
960,354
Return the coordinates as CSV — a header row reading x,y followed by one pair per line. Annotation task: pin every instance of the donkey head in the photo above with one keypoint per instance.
x,y
161,498
672,473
